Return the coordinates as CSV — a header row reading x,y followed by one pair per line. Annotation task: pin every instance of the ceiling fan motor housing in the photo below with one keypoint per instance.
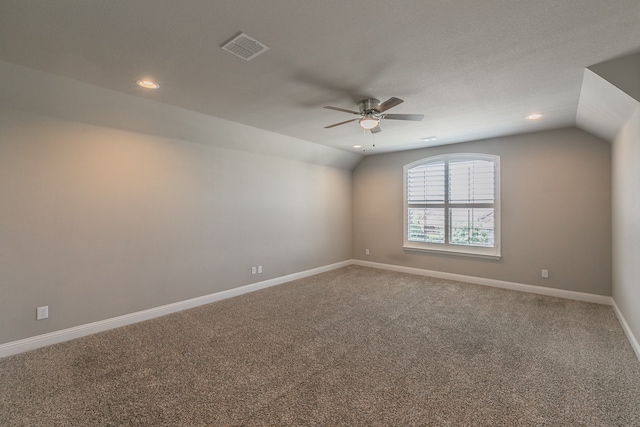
x,y
366,105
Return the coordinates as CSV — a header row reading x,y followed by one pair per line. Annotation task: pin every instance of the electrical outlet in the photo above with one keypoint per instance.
x,y
259,269
366,251
42,312
545,274
253,270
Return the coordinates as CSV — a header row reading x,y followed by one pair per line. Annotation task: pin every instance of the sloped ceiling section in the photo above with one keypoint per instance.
x,y
623,73
42,93
610,94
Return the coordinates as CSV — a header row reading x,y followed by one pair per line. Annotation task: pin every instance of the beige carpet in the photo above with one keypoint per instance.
x,y
355,346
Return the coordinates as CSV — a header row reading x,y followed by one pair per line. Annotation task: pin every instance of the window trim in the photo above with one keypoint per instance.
x,y
448,248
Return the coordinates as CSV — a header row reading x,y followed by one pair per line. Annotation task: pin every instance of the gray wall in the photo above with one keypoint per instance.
x,y
626,222
97,222
556,215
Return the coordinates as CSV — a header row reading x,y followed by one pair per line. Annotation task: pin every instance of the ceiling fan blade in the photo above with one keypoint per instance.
x,y
341,109
376,129
389,103
414,117
341,123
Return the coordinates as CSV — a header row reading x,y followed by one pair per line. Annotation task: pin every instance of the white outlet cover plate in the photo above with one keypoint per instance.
x,y
42,312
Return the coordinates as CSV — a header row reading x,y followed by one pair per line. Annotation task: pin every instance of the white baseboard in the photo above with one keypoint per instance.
x,y
63,335
540,290
627,330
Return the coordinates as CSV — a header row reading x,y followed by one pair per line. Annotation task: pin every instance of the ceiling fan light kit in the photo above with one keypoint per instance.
x,y
368,122
371,113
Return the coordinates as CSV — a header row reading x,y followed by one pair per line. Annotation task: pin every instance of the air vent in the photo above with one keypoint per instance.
x,y
245,47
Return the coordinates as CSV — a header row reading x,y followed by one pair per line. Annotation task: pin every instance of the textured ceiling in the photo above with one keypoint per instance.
x,y
473,68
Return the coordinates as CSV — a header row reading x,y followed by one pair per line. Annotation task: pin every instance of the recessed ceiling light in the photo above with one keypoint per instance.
x,y
534,116
148,84
429,138
357,146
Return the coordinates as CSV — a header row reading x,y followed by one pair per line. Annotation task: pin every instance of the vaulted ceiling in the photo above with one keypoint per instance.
x,y
474,68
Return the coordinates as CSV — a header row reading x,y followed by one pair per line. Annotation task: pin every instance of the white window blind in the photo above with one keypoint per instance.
x,y
451,204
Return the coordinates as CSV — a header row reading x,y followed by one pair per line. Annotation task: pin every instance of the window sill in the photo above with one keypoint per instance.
x,y
451,252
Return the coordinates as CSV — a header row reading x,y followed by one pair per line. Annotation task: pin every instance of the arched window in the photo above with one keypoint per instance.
x,y
452,204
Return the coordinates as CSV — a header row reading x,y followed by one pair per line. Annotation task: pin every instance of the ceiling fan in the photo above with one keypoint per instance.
x,y
371,112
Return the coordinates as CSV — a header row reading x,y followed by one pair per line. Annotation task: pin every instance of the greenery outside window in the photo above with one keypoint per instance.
x,y
452,204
